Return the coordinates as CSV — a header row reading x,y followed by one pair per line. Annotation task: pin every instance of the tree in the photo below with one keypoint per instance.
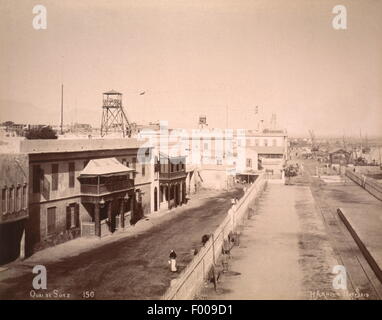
x,y
8,123
45,132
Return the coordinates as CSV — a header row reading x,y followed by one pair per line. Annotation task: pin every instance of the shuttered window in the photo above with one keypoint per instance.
x,y
72,216
71,174
4,200
51,220
54,176
36,178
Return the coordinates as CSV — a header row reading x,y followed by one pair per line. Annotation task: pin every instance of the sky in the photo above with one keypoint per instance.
x,y
218,58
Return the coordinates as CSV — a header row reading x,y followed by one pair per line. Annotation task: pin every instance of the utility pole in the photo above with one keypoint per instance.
x,y
62,108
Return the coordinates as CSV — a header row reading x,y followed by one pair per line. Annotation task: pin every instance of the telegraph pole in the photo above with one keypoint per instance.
x,y
62,109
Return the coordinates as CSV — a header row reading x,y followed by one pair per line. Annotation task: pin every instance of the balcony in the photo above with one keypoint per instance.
x,y
107,187
13,216
172,175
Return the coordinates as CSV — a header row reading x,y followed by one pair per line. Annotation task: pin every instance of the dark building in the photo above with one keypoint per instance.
x,y
14,206
339,157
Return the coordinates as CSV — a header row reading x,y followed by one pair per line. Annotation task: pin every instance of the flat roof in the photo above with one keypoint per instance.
x,y
78,145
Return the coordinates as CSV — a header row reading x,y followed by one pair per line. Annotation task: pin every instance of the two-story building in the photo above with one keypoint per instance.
x,y
172,180
271,146
86,187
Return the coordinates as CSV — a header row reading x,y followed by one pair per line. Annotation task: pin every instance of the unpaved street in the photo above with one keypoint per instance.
x,y
130,268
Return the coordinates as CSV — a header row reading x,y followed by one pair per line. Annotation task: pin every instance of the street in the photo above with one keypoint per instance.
x,y
130,268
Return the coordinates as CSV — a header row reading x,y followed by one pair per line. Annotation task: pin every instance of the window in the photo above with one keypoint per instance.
x,y
138,195
24,196
11,201
72,216
18,198
124,162
54,176
36,178
206,146
249,163
266,142
4,200
134,163
51,220
72,169
143,169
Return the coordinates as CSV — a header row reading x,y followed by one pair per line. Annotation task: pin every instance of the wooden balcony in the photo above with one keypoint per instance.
x,y
14,216
108,187
172,175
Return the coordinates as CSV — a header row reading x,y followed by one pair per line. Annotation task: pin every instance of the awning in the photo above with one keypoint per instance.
x,y
105,167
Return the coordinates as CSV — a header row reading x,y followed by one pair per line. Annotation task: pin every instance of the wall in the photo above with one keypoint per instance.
x,y
189,282
369,184
216,177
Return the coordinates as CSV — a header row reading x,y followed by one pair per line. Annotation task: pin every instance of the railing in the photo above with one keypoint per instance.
x,y
172,175
106,187
369,184
192,277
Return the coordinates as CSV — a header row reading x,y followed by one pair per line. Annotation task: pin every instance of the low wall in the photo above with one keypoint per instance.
x,y
369,184
187,285
368,256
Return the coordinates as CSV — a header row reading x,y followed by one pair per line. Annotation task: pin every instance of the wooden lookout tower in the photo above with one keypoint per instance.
x,y
114,118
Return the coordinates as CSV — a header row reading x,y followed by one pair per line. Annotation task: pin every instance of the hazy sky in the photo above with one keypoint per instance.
x,y
196,57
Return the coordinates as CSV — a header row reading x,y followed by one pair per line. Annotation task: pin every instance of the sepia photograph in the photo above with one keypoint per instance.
x,y
208,151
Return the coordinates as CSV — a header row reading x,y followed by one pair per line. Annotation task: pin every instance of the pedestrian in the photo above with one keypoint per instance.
x,y
225,258
172,261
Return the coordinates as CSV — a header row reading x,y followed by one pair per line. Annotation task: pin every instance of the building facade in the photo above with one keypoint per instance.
x,y
14,206
172,181
69,199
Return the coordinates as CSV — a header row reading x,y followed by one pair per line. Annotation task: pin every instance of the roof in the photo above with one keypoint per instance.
x,y
78,145
112,92
338,150
104,167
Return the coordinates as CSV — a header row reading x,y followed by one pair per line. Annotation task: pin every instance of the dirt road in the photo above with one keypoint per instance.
x,y
131,268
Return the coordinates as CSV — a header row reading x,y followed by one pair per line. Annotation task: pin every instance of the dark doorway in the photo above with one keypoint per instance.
x,y
155,199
